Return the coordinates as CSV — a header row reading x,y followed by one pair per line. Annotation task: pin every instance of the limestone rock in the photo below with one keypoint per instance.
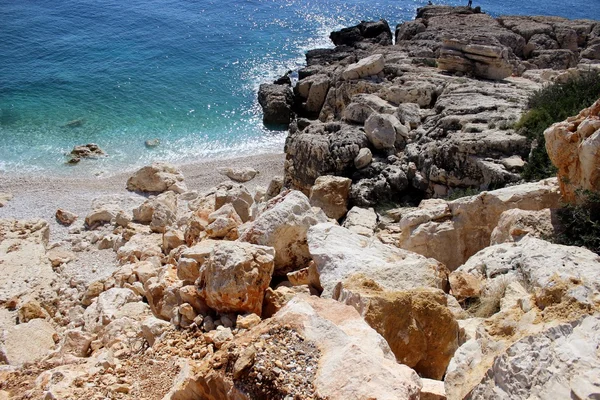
x,y
368,66
153,328
433,390
31,310
140,247
572,146
475,56
306,276
453,231
244,174
364,158
361,221
236,276
58,256
107,307
160,212
330,193
237,195
276,102
339,253
276,299
419,328
283,226
158,177
223,223
363,105
65,217
515,224
560,362
27,343
163,292
382,131
326,332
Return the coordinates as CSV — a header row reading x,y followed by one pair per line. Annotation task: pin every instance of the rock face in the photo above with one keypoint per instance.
x,y
235,277
419,328
27,343
330,194
473,58
515,224
453,231
283,226
560,362
276,102
25,268
574,148
343,357
368,66
339,253
373,32
157,178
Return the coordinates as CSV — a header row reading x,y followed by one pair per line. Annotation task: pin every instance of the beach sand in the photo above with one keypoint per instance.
x,y
37,196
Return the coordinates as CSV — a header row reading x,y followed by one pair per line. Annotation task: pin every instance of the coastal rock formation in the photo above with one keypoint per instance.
x,y
157,178
453,231
313,335
475,57
90,150
515,224
339,254
419,328
574,148
377,32
276,102
330,194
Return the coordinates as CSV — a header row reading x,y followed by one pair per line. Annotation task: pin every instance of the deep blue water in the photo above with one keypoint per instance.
x,y
183,71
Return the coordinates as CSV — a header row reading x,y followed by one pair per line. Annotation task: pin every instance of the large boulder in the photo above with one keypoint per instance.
x,y
368,66
236,276
475,56
515,224
417,323
157,178
283,226
453,231
109,306
237,195
367,31
330,194
331,353
385,132
160,212
573,146
339,254
27,343
276,102
561,362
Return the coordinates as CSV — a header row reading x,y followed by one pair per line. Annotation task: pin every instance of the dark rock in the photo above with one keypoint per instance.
x,y
276,102
284,80
90,150
377,32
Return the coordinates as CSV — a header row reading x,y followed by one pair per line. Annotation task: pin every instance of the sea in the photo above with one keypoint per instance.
x,y
186,72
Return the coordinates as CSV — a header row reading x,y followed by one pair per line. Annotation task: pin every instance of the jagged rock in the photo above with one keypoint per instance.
x,y
158,177
153,328
31,310
572,146
65,217
276,102
314,334
566,351
160,212
93,290
339,253
372,31
453,231
368,66
421,93
90,150
235,277
58,256
330,193
283,226
275,187
107,307
363,105
223,223
475,56
361,221
27,343
377,183
409,114
419,328
433,390
237,195
247,321
515,224
383,131
314,90
25,268
308,276
276,299
239,174
100,216
140,247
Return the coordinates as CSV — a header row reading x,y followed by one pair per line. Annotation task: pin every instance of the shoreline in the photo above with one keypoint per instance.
x,y
36,196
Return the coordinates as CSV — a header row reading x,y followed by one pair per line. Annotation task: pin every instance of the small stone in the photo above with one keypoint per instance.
x,y
247,321
363,158
65,217
244,361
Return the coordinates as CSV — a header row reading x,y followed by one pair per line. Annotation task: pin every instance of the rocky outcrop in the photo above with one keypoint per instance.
x,y
377,32
276,102
453,231
330,194
335,353
339,254
515,224
91,151
157,178
574,148
283,226
476,57
419,328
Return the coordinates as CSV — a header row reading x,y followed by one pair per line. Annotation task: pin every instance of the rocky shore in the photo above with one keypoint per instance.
x,y
351,275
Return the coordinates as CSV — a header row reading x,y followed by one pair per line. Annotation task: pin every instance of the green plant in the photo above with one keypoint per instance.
x,y
551,104
579,224
457,193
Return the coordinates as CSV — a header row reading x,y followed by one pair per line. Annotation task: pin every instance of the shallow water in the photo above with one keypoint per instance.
x,y
186,72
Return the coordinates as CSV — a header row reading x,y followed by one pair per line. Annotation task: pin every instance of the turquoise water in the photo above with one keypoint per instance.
x,y
185,72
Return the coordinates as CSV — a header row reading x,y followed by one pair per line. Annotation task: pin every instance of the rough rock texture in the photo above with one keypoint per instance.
x,y
235,277
339,253
419,328
160,212
453,231
561,362
515,224
237,195
244,174
276,102
372,32
330,194
473,58
158,177
368,66
339,355
27,343
574,148
283,226
362,221
25,268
